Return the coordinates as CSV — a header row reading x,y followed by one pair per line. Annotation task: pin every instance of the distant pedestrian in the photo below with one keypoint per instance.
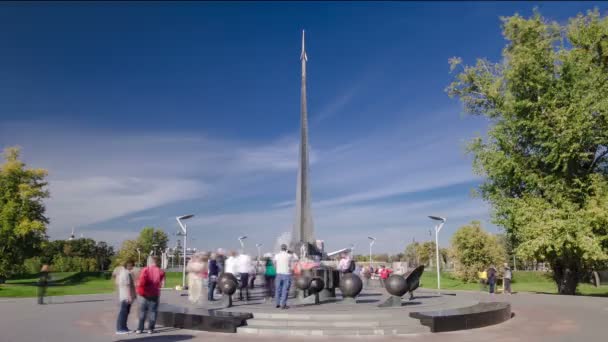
x,y
270,273
367,275
243,267
231,264
506,278
43,283
126,296
384,273
491,278
346,264
150,281
283,262
213,274
483,280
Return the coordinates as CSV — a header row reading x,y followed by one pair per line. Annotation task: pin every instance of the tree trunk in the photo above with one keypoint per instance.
x,y
566,274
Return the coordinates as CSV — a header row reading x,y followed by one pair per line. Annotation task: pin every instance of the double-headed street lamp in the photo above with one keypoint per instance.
x,y
440,223
185,233
371,243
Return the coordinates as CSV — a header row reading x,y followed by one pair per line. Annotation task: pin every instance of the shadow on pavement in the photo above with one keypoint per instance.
x,y
158,338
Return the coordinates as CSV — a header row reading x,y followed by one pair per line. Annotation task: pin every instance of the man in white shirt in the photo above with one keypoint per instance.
x,y
243,268
231,264
283,262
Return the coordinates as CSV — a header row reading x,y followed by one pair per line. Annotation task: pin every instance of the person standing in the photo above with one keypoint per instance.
x,y
492,278
367,275
214,271
126,296
506,278
283,263
231,264
43,282
243,267
150,281
270,272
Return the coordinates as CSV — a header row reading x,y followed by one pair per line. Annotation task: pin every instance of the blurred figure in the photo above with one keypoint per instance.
x,y
126,296
231,264
506,278
346,264
270,272
284,262
244,268
43,282
196,269
150,281
384,273
483,280
367,275
214,271
492,278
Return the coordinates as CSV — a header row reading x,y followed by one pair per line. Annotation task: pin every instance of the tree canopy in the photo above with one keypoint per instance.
x,y
475,250
22,212
145,242
545,157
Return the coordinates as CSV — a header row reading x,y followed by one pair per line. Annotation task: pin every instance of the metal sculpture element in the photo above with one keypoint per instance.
x,y
227,283
350,285
303,231
398,285
303,282
316,285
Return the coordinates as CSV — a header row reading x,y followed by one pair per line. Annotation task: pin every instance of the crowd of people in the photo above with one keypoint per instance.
x,y
488,279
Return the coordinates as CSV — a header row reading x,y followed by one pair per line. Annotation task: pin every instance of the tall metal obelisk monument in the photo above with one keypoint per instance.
x,y
303,230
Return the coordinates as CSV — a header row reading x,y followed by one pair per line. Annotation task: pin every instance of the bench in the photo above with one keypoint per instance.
x,y
475,316
200,319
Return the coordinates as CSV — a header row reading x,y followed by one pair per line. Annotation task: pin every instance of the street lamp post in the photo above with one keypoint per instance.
x,y
138,257
371,243
259,245
440,223
185,233
241,238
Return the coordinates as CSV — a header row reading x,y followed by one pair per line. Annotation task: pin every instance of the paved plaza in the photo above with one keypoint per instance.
x,y
92,318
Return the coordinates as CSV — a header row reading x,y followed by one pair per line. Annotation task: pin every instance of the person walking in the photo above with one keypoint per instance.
x,y
243,267
283,262
506,279
491,278
126,296
43,283
270,273
214,272
367,275
150,281
384,273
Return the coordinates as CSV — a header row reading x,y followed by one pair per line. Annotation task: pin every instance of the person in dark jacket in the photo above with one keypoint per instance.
x,y
492,278
43,282
214,271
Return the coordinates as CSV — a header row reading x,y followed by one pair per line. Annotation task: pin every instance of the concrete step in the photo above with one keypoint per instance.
x,y
269,323
358,316
333,331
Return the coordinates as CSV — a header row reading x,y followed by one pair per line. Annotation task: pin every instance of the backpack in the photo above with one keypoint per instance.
x,y
271,271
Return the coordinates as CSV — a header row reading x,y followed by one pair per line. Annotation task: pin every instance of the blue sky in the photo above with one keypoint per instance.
x,y
145,111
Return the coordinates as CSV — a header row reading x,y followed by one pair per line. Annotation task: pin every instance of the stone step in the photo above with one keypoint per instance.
x,y
269,323
333,331
359,316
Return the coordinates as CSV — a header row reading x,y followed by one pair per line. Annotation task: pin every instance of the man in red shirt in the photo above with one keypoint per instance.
x,y
150,281
384,274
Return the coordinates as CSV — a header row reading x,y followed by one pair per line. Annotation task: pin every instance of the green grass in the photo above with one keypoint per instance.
x,y
70,283
73,283
523,281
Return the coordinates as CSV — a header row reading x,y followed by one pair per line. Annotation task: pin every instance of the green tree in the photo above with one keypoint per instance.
x,y
411,254
22,219
148,237
545,158
475,250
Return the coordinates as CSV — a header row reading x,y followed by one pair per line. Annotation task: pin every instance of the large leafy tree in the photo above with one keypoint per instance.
x,y
22,219
149,239
545,157
474,250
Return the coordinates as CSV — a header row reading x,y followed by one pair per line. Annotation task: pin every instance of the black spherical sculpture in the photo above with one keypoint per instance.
x,y
227,283
350,285
303,282
316,285
396,285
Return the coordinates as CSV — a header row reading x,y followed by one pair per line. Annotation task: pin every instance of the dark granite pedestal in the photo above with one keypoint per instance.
x,y
476,316
201,319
